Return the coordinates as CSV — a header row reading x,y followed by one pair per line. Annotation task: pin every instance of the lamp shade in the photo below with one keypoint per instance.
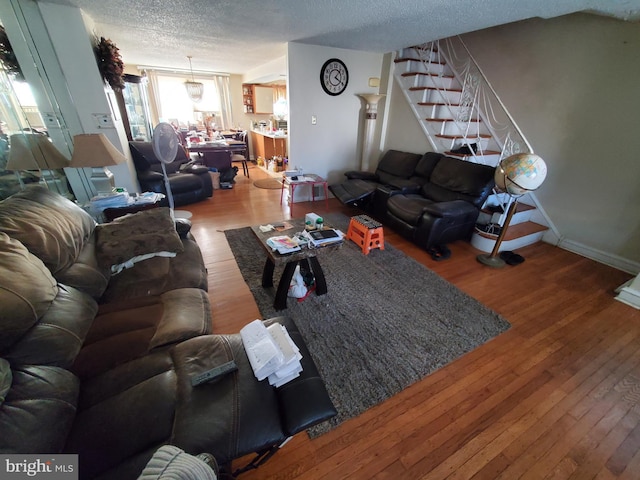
x,y
520,173
94,150
34,152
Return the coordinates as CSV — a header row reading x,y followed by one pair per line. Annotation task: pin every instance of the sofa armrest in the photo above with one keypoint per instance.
x,y
361,175
455,208
304,402
196,169
405,186
151,181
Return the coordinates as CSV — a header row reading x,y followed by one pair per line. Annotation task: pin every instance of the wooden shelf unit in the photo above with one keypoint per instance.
x,y
248,97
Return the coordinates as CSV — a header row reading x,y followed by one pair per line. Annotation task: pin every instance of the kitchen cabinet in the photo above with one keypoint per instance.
x,y
248,98
263,97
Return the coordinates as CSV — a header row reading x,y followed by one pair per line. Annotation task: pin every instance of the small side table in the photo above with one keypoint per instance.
x,y
309,179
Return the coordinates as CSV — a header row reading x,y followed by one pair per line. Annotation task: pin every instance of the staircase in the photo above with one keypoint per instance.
x,y
463,118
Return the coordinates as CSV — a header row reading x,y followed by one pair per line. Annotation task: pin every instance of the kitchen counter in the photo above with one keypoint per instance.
x,y
268,134
268,145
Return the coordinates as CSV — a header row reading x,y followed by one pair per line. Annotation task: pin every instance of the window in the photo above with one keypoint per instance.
x,y
176,105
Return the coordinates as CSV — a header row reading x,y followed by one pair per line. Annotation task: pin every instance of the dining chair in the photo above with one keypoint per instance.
x,y
242,156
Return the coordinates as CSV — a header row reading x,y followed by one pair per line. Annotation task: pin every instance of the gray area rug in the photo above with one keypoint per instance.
x,y
386,322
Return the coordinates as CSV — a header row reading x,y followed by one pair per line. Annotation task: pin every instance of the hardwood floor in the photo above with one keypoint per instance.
x,y
555,397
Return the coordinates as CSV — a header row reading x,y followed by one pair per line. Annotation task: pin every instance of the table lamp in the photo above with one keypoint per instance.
x,y
516,175
30,151
94,150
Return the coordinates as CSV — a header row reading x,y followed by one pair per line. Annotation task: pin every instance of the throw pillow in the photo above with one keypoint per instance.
x,y
136,237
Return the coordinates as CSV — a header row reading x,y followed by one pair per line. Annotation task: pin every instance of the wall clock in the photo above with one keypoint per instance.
x,y
334,76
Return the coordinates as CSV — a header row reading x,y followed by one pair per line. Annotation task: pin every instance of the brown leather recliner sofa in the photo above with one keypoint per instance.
x,y
101,365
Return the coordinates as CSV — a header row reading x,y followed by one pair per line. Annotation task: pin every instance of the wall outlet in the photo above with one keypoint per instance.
x,y
50,120
314,120
103,120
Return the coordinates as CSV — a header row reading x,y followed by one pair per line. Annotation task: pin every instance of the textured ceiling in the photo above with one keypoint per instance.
x,y
235,36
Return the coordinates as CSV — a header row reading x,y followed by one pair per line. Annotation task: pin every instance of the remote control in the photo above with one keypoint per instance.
x,y
214,373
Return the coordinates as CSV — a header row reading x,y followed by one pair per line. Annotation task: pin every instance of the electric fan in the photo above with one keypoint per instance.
x,y
165,146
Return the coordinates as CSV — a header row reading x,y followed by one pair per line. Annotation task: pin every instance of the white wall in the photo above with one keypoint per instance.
x,y
332,146
72,41
571,83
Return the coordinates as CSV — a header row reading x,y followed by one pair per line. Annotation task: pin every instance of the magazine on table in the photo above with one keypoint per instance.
x,y
283,244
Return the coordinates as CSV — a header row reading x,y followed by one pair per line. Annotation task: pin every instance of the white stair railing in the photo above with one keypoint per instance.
x,y
478,91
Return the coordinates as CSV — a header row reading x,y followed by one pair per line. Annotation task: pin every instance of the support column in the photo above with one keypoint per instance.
x,y
371,115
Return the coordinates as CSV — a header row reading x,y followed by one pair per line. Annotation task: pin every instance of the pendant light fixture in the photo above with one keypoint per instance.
x,y
194,89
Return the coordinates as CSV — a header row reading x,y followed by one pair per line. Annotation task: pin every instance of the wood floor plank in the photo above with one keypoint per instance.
x,y
555,396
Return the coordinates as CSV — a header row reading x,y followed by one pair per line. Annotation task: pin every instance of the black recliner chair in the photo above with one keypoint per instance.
x,y
189,183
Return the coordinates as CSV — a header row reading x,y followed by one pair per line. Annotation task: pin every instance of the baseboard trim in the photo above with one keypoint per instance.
x,y
606,258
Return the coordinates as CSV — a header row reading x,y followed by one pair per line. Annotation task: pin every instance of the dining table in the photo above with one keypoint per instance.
x,y
217,154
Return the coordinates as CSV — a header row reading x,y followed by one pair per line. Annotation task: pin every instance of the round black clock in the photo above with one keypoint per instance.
x,y
334,76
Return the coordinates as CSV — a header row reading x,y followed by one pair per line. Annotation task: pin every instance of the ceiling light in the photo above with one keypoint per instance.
x,y
194,89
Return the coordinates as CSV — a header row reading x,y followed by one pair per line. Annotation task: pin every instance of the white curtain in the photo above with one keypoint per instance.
x,y
222,83
172,102
154,98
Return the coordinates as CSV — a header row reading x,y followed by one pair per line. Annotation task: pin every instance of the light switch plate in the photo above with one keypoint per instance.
x,y
314,120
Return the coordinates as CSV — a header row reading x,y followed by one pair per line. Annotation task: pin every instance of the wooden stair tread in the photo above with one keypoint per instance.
x,y
478,154
434,104
520,207
451,120
516,231
455,137
456,90
523,229
409,59
414,74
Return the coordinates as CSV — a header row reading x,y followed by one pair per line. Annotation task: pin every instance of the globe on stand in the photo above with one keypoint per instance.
x,y
516,175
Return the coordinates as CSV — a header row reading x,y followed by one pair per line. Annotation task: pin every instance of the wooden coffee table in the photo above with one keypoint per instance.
x,y
307,256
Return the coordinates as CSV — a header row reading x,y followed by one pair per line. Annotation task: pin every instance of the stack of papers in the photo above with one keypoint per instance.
x,y
283,244
147,197
113,200
271,352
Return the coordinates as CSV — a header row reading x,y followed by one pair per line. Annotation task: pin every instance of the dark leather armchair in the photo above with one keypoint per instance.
x,y
189,183
446,207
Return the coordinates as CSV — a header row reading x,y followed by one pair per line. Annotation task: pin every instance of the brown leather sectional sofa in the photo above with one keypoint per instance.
x,y
100,364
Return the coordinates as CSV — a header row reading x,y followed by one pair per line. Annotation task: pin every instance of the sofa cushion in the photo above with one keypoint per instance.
x,y
56,338
146,232
39,410
24,297
52,227
408,208
158,275
395,165
127,330
86,274
5,379
425,166
454,179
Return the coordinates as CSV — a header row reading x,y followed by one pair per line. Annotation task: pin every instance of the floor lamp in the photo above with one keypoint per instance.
x,y
30,151
516,175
